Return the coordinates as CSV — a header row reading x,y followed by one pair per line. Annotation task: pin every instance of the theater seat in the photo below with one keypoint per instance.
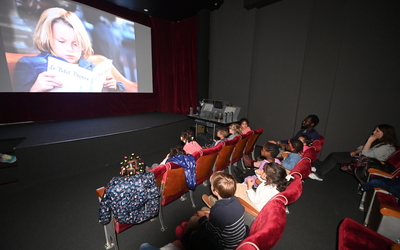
x,y
270,222
353,235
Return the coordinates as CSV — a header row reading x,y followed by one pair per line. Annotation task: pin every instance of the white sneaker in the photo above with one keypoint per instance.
x,y
313,169
315,177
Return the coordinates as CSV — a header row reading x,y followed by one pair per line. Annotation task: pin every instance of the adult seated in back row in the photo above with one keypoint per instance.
x,y
379,145
307,128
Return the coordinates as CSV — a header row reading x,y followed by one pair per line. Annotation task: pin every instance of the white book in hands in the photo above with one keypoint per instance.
x,y
77,79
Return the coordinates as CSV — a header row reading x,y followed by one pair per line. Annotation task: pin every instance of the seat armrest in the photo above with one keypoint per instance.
x,y
377,172
248,208
100,192
390,211
395,247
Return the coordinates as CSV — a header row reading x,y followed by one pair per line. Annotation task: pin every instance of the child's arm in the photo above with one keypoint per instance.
x,y
290,161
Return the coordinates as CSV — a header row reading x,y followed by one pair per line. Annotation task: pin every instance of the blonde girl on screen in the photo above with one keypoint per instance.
x,y
59,34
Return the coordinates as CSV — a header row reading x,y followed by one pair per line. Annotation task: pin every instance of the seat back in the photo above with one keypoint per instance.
x,y
251,143
302,168
292,192
224,156
322,139
269,225
311,153
394,159
205,162
353,235
267,228
318,143
159,172
173,184
239,148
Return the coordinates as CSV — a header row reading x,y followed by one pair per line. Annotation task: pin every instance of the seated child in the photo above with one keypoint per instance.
x,y
274,179
223,223
244,126
132,197
176,150
178,156
191,146
269,153
222,134
293,156
307,142
234,130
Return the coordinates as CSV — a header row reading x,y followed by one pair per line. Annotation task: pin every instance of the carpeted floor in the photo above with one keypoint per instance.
x,y
63,214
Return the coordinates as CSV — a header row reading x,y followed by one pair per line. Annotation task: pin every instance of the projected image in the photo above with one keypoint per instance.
x,y
60,46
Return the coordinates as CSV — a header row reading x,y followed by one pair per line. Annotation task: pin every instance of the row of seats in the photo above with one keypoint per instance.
x,y
171,178
270,222
381,226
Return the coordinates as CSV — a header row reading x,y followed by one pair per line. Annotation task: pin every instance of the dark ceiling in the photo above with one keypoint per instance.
x,y
171,10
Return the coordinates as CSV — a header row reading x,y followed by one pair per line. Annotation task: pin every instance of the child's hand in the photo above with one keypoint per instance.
x,y
202,213
250,183
285,154
110,82
44,82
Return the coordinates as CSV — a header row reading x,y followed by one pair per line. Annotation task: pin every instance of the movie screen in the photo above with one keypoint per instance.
x,y
62,46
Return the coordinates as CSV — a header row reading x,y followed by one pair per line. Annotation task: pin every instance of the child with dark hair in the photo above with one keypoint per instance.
x,y
307,142
190,145
174,151
244,125
274,180
293,155
269,152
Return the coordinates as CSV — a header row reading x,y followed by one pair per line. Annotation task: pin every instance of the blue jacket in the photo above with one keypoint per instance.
x,y
189,163
28,68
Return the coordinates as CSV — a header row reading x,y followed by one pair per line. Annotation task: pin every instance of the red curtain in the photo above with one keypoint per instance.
x,y
175,50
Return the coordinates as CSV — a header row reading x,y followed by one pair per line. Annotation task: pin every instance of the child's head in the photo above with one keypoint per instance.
x,y
306,140
244,123
62,34
177,150
132,165
234,128
270,149
187,136
223,183
222,132
295,145
275,174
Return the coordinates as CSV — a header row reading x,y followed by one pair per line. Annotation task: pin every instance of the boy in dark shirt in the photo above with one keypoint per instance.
x,y
222,226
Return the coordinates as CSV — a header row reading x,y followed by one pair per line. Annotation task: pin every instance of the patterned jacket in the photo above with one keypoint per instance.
x,y
131,199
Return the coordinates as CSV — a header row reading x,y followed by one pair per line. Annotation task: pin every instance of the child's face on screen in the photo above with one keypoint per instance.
x,y
64,44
